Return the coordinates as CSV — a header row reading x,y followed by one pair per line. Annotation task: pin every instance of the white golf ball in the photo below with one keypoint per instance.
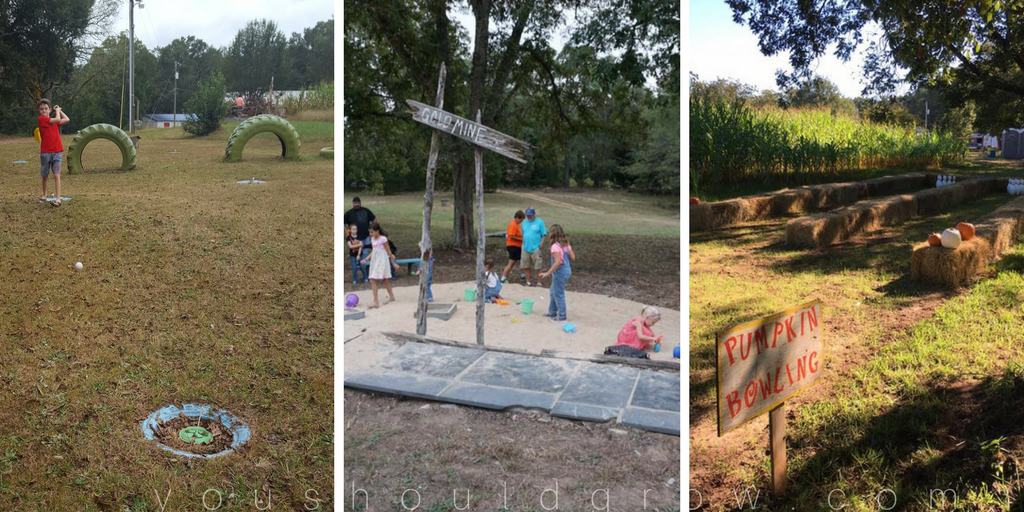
x,y
78,265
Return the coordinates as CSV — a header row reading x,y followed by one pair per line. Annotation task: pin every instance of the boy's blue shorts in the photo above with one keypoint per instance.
x,y
50,162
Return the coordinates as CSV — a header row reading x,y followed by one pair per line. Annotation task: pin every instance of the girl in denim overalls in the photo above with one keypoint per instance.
x,y
562,257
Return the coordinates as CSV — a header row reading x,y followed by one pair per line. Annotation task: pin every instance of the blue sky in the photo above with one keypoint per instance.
x,y
721,48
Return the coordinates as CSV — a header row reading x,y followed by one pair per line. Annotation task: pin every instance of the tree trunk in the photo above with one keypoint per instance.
x,y
464,178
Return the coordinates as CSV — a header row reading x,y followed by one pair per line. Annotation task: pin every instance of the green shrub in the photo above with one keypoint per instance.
x,y
207,105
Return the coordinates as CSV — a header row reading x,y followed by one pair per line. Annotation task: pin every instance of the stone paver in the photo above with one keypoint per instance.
x,y
580,390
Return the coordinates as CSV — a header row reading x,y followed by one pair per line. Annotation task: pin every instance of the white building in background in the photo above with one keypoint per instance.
x,y
164,120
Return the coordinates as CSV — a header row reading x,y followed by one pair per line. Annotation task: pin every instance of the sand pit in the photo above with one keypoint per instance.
x,y
597,318
961,266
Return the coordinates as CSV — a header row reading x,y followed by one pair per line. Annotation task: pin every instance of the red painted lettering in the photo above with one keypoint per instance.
x,y
778,379
734,403
745,346
789,375
790,333
778,331
812,318
760,339
730,344
812,362
750,394
801,368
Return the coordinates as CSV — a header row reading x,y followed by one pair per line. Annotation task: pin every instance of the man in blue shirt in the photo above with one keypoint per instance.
x,y
534,232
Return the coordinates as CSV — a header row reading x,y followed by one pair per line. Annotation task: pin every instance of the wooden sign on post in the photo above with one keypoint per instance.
x,y
482,137
760,364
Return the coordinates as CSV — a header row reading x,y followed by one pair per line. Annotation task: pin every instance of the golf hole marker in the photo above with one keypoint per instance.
x,y
761,363
251,181
203,429
51,199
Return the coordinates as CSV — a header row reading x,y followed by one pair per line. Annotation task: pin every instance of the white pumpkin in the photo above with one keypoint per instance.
x,y
951,238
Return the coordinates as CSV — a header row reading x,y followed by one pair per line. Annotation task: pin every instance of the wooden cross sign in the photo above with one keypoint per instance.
x,y
482,138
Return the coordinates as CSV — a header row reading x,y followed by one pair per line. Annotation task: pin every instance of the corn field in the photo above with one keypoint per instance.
x,y
321,97
732,143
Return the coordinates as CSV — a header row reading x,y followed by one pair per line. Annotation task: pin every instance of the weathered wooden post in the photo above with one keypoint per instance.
x,y
762,363
481,137
481,240
428,208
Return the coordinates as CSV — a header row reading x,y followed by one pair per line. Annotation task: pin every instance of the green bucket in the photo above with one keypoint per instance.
x,y
470,294
527,306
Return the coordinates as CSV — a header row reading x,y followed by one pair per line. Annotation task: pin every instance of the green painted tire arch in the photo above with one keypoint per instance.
x,y
101,131
327,152
285,132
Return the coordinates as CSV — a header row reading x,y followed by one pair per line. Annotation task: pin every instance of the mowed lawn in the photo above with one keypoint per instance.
x,y
627,245
194,289
922,388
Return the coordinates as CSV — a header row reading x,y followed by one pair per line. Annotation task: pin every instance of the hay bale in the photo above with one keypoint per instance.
x,y
937,200
699,214
888,185
823,229
813,231
790,201
951,268
833,195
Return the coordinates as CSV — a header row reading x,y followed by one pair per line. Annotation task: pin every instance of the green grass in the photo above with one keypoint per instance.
x,y
194,289
580,213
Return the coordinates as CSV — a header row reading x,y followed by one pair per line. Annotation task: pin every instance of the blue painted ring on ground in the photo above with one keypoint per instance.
x,y
240,432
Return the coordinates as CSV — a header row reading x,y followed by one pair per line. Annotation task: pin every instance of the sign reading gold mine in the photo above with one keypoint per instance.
x,y
469,131
763,362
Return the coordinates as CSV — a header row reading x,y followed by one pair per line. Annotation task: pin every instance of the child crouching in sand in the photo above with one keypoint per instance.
x,y
637,332
492,292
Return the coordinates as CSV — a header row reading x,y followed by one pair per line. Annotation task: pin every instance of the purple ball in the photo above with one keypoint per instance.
x,y
351,300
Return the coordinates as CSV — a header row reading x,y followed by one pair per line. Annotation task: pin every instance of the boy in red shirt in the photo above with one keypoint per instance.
x,y
513,243
51,150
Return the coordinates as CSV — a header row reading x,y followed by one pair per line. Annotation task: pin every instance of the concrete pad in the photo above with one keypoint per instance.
x,y
354,314
657,390
432,360
648,419
439,311
523,372
496,397
585,412
602,385
417,386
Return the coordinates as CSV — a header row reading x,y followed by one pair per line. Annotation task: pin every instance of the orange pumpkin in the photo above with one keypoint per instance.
x,y
966,230
694,200
934,240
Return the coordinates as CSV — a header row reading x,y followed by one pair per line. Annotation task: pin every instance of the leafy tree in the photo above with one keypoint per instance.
x,y
208,106
39,44
196,60
255,56
975,43
98,89
310,55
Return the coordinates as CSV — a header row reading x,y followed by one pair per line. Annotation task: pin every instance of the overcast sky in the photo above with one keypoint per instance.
x,y
217,21
721,48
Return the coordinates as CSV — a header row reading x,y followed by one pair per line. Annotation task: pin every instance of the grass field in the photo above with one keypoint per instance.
x,y
193,289
922,387
627,244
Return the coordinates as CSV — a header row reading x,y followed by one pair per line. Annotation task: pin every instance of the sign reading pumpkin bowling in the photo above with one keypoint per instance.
x,y
763,362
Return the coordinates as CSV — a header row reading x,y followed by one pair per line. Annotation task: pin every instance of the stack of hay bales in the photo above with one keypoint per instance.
x,y
824,229
720,214
958,267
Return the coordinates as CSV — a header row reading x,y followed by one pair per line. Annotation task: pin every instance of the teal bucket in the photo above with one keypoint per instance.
x,y
527,306
470,294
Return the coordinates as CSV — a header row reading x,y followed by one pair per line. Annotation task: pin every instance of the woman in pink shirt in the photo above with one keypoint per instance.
x,y
637,332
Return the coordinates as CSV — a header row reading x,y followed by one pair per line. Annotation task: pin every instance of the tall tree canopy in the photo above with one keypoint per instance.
x,y
585,105
39,44
255,55
970,44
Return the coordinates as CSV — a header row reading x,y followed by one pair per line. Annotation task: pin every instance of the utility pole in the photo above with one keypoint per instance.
x,y
175,121
131,63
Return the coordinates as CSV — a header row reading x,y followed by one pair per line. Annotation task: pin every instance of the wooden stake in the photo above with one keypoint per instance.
x,y
777,447
428,208
481,240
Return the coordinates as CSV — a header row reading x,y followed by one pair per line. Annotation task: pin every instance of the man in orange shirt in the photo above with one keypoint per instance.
x,y
513,243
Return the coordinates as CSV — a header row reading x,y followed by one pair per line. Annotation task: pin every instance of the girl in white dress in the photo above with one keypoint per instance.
x,y
381,261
